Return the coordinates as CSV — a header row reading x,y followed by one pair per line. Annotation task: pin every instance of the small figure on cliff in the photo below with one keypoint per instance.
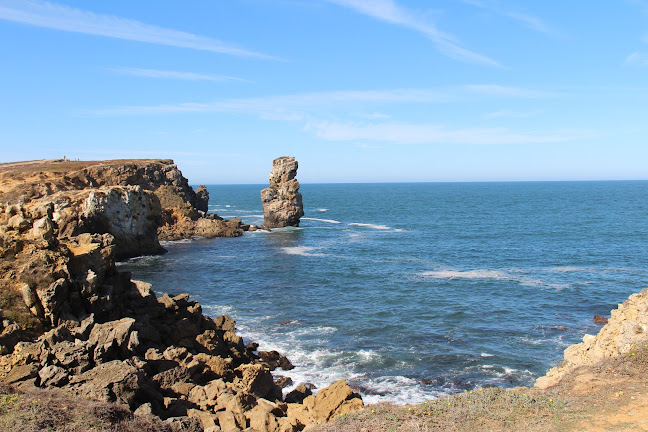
x,y
282,202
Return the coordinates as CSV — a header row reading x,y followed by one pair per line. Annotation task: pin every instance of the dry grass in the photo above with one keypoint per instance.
x,y
53,411
490,409
611,396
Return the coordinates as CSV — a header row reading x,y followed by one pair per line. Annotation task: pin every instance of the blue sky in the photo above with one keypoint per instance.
x,y
357,90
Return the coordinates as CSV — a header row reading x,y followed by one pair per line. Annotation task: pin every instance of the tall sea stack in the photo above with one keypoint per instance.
x,y
282,202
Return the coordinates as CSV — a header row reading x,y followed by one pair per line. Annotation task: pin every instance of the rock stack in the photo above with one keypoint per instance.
x,y
282,202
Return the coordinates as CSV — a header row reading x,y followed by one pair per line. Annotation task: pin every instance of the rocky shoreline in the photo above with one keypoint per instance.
x,y
72,321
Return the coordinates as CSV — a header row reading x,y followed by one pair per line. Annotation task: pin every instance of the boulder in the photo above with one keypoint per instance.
x,y
301,392
111,339
53,376
255,379
598,319
282,202
275,360
336,399
115,381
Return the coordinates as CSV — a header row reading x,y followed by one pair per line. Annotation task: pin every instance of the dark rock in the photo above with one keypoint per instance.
x,y
301,392
275,360
598,319
21,373
201,201
284,382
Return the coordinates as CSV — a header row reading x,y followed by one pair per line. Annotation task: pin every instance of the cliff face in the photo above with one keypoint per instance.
x,y
137,201
69,319
282,202
626,330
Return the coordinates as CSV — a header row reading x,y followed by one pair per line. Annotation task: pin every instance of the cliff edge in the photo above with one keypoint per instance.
x,y
70,320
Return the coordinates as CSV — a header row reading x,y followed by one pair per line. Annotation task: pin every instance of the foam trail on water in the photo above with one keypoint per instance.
x,y
331,221
372,226
302,250
485,274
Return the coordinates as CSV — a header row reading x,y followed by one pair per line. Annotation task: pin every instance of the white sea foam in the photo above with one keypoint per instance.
x,y
302,251
322,210
486,355
372,226
172,242
331,221
516,275
467,274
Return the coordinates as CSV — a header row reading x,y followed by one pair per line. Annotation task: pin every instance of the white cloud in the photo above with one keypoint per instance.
x,y
59,17
390,11
404,133
164,74
293,106
530,21
511,114
508,91
640,59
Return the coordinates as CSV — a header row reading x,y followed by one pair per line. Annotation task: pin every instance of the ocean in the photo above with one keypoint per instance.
x,y
412,291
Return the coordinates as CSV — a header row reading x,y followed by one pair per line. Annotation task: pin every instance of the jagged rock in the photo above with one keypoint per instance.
x,y
254,378
111,339
627,327
131,214
184,424
53,376
284,382
144,410
21,373
201,201
115,381
282,202
275,360
336,399
598,319
301,392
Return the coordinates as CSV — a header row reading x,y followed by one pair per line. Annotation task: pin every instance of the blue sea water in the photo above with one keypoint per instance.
x,y
412,291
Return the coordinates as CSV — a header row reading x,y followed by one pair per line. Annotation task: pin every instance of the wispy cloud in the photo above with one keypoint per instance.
x,y
511,114
392,12
59,17
530,21
294,106
404,133
509,91
177,75
640,59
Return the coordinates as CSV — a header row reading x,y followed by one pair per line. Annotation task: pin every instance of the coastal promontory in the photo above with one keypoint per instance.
x,y
70,320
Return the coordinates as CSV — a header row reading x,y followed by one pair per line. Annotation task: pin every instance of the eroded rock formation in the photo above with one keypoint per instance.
x,y
69,319
625,330
282,202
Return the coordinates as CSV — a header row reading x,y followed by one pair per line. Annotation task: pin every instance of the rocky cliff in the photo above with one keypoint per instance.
x,y
69,319
282,202
626,330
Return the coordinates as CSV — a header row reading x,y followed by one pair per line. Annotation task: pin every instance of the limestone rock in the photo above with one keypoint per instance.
x,y
131,214
627,327
201,201
115,381
53,376
282,202
336,399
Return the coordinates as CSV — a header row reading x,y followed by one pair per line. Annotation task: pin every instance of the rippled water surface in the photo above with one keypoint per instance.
x,y
411,291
